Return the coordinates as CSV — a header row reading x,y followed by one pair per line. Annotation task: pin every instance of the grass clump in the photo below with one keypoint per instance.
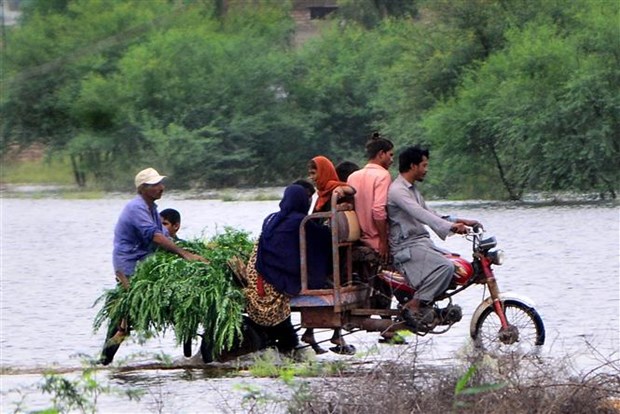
x,y
168,292
483,384
271,364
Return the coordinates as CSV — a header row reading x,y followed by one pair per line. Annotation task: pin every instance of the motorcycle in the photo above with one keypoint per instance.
x,y
503,321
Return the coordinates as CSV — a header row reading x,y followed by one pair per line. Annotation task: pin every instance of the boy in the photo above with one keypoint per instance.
x,y
171,220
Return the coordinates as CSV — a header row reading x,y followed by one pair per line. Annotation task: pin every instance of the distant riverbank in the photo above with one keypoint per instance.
x,y
73,192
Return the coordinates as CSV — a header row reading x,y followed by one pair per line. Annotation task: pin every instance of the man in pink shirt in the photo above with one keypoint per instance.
x,y
371,184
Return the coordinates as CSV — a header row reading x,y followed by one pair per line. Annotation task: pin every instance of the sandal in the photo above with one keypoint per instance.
x,y
343,349
317,348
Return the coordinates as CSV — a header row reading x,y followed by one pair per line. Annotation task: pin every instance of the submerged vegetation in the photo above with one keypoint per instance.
x,y
189,297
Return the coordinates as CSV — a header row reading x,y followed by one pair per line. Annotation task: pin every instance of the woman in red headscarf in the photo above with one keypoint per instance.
x,y
323,173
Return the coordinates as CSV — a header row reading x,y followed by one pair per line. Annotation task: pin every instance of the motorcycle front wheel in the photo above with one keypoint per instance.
x,y
525,333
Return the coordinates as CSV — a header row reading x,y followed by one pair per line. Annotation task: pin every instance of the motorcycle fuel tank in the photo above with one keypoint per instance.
x,y
463,269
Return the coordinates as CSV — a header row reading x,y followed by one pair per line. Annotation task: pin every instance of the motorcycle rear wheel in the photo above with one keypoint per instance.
x,y
525,335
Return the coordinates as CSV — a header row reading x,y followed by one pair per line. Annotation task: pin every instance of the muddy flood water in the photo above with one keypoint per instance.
x,y
56,260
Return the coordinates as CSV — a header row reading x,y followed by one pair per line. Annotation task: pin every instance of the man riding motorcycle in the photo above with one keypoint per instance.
x,y
415,255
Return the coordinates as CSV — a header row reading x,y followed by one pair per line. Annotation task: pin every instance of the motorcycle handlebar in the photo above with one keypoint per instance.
x,y
475,230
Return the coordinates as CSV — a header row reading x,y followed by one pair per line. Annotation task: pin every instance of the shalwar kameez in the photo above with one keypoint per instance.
x,y
415,255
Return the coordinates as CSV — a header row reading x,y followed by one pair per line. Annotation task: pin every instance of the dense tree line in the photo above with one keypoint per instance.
x,y
511,96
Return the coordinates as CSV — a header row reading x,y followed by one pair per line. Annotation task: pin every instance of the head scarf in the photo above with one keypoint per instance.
x,y
326,181
293,207
278,253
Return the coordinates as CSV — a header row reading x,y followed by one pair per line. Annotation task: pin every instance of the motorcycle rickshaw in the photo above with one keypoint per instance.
x,y
501,322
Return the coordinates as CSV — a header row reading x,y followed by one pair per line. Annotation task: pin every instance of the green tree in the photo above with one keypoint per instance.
x,y
543,112
180,83
337,78
522,93
52,51
448,40
370,13
203,99
424,66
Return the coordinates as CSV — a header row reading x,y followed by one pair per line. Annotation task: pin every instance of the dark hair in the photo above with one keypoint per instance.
x,y
307,185
376,144
170,214
344,170
411,155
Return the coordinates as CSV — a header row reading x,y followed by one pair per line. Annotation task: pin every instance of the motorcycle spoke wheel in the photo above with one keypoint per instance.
x,y
525,335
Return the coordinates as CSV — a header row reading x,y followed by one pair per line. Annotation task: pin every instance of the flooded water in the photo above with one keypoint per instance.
x,y
56,260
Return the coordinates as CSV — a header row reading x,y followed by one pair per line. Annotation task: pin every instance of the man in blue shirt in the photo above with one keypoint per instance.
x,y
137,234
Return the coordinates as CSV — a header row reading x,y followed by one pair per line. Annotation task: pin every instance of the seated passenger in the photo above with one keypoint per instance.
x,y
372,183
274,270
323,173
345,168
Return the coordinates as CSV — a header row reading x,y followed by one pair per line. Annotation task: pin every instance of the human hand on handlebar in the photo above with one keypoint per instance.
x,y
465,226
470,223
459,228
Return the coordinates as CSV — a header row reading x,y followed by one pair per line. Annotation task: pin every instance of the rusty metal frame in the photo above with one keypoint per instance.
x,y
340,298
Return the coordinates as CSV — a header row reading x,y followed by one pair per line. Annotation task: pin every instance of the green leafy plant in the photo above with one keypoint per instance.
x,y
461,388
80,394
168,292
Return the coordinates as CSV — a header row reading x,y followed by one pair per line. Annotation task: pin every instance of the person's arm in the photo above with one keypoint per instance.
x,y
459,225
344,190
379,214
165,243
405,200
468,222
122,279
384,247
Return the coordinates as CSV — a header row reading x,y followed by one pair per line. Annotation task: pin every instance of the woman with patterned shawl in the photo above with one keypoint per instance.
x,y
274,270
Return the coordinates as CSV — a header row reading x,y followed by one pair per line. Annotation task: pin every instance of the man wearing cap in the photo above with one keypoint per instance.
x,y
137,234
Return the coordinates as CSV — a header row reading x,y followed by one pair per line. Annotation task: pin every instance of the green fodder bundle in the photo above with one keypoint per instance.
x,y
167,291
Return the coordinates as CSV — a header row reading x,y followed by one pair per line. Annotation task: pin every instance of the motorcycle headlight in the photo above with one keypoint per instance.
x,y
496,256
